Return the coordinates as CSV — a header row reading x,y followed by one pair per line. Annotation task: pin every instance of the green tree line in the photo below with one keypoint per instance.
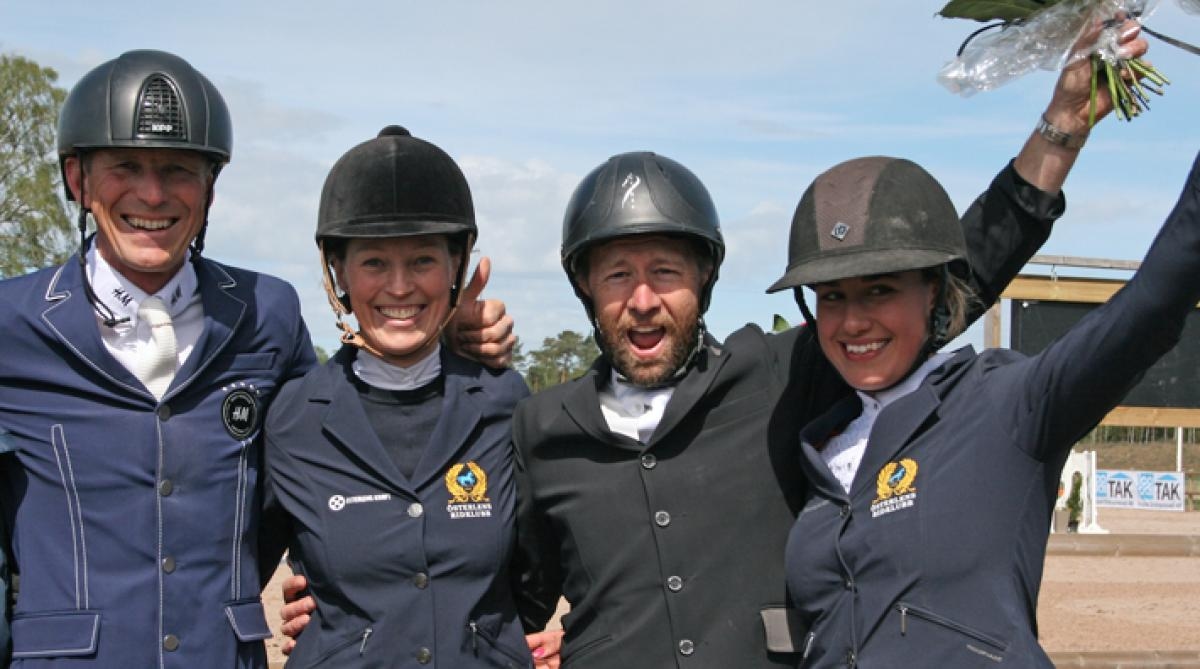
x,y
560,359
35,228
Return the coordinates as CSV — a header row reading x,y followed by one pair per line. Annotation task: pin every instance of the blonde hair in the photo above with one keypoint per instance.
x,y
957,296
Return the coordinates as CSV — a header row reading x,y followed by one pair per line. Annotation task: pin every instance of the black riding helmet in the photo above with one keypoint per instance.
x,y
394,185
640,193
143,99
869,216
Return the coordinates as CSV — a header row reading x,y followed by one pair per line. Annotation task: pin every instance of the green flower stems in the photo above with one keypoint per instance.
x,y
1127,81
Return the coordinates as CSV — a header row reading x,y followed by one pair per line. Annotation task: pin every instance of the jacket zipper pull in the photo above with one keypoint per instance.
x,y
362,648
474,637
903,620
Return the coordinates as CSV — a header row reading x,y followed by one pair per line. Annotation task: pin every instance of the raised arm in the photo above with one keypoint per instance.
x,y
1011,221
1082,375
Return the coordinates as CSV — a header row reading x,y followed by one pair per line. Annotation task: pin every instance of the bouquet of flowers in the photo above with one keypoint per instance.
x,y
1051,34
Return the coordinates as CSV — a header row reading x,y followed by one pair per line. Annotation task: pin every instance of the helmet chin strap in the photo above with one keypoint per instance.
x,y
935,333
198,242
341,306
102,310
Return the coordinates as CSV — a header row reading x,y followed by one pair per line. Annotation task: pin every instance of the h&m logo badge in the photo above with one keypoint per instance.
x,y
241,411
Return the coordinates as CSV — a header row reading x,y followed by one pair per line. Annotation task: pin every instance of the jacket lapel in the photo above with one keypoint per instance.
x,y
582,404
72,319
461,412
816,433
895,427
223,311
346,421
692,387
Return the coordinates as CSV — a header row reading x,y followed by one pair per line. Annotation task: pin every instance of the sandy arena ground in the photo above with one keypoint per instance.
x,y
1087,603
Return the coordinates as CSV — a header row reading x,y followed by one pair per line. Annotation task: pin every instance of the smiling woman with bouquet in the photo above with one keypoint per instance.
x,y
922,538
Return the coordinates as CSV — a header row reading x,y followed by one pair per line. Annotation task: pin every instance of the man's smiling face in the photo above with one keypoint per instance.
x,y
149,204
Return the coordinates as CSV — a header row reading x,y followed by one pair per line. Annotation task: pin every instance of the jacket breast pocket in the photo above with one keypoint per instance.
x,y
55,634
246,361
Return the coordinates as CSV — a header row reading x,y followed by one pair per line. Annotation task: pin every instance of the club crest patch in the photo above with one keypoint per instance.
x,y
241,411
894,487
467,484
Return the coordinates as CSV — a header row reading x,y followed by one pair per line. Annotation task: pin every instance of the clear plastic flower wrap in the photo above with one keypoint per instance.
x,y
1032,36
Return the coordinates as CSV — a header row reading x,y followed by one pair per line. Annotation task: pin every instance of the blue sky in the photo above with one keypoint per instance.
x,y
756,97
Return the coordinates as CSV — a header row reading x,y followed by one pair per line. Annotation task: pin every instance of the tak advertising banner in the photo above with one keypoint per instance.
x,y
1161,491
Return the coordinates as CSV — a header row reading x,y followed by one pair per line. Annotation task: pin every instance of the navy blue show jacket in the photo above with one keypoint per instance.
x,y
406,573
134,521
934,558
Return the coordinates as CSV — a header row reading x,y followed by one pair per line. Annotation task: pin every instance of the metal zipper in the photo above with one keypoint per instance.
x,y
905,609
362,648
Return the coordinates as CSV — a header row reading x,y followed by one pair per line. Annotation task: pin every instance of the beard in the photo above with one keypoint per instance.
x,y
649,373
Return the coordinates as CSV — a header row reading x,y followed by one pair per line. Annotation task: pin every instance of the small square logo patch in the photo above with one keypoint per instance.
x,y
839,231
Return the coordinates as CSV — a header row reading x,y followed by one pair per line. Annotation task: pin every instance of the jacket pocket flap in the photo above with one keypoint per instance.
x,y
248,621
784,630
66,634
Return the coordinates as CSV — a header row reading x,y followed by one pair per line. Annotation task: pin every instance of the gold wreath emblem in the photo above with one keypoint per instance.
x,y
459,494
883,483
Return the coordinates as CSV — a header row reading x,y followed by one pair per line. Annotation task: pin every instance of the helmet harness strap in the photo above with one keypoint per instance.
x,y
341,303
198,242
102,310
935,338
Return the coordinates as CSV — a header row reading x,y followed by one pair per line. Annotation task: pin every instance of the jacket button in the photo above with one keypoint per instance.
x,y
164,412
165,487
649,461
662,518
849,584
421,580
415,510
170,642
168,564
845,511
686,647
424,656
851,659
674,583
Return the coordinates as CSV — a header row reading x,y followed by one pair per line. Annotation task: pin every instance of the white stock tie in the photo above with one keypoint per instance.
x,y
156,363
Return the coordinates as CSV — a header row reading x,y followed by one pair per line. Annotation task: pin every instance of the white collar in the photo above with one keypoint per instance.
x,y
120,295
875,402
631,410
378,373
635,400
